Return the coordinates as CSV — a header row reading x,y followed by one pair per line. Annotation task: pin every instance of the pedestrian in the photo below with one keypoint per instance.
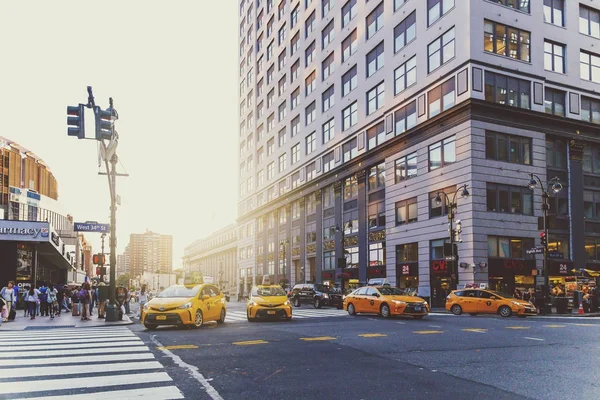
x,y
143,299
52,300
43,299
538,297
33,300
101,301
93,293
85,298
7,294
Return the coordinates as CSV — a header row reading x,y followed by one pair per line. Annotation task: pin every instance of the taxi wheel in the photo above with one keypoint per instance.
x,y
222,317
384,310
456,309
199,319
505,311
150,327
351,309
472,314
296,302
317,303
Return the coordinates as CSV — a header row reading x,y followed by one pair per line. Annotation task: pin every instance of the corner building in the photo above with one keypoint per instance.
x,y
355,114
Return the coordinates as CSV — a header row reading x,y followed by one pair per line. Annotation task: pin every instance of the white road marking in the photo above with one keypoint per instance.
x,y
25,339
400,322
193,371
69,352
87,359
532,338
435,326
164,392
78,369
83,346
49,343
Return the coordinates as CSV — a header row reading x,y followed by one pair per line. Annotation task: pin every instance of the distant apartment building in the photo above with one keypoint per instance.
x,y
356,116
123,262
150,252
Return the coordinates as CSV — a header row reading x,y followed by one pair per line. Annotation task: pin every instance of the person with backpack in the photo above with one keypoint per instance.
x,y
7,294
43,300
32,299
85,298
52,300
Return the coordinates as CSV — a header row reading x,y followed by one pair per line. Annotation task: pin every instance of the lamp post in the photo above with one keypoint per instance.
x,y
451,207
102,259
341,261
282,245
555,185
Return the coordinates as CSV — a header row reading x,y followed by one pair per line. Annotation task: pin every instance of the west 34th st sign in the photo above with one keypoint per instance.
x,y
91,227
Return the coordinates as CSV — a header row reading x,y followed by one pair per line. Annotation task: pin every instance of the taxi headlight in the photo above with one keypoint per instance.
x,y
325,296
516,303
186,305
253,303
146,306
399,302
287,303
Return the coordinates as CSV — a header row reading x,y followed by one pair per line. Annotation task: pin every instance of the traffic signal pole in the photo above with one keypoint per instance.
x,y
112,312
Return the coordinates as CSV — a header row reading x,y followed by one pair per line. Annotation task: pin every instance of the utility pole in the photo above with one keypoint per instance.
x,y
102,271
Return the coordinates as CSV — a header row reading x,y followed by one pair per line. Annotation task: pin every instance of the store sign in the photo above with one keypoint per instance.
x,y
407,269
560,268
24,231
439,267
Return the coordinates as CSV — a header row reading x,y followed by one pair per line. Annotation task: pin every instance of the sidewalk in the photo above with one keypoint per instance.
x,y
66,320
441,310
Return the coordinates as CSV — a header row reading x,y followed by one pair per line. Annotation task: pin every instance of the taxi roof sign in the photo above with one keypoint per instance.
x,y
194,278
378,282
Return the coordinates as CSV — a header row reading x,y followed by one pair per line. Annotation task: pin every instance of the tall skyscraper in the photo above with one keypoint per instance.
x,y
361,122
151,252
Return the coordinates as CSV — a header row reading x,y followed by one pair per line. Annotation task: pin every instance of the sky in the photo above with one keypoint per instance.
x,y
171,68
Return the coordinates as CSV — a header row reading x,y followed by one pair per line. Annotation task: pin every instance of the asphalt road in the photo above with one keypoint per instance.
x,y
367,357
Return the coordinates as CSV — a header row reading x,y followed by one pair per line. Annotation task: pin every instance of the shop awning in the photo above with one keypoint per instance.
x,y
51,254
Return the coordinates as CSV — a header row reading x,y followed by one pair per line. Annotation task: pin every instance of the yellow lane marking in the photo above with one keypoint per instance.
x,y
427,332
250,342
477,330
517,327
372,335
554,326
315,339
178,347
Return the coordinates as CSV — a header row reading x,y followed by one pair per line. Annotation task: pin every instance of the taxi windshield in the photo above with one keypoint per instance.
x,y
391,291
179,291
268,291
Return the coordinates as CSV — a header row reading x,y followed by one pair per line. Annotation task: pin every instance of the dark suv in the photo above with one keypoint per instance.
x,y
317,295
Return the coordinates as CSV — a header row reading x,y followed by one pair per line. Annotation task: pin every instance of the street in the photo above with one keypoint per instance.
x,y
319,354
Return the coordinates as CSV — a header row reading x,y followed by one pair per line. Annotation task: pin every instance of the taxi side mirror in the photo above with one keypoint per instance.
x,y
205,297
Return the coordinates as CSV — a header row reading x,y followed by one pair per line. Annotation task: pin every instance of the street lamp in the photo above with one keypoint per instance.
x,y
451,207
341,261
282,245
554,185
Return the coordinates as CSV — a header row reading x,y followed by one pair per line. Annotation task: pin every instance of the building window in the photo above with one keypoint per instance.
x,y
507,148
506,41
506,90
406,117
406,211
408,252
350,190
350,116
296,210
435,209
281,35
509,199
376,216
375,59
328,162
328,130
349,150
554,12
260,178
271,171
375,20
405,167
554,101
442,153
326,6
310,112
310,83
270,146
270,98
556,154
405,32
521,5
309,25
349,81
294,16
591,205
328,66
295,179
440,51
270,122
349,45
328,98
295,153
375,98
437,8
294,44
327,35
310,172
295,98
376,135
554,57
281,60
376,254
329,260
591,159
311,143
589,21
376,178
348,12
294,71
405,75
590,110
295,125
441,98
282,111
309,54
282,162
505,247
589,66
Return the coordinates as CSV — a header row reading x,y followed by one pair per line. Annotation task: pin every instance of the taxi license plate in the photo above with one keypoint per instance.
x,y
417,308
271,312
161,317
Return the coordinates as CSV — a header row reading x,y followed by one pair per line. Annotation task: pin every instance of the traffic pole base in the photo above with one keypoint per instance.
x,y
112,313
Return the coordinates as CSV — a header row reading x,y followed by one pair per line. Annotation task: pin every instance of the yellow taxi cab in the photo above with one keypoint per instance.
x,y
268,301
386,301
483,301
185,305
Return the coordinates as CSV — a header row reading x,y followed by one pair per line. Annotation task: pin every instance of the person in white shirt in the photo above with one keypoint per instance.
x,y
8,295
31,298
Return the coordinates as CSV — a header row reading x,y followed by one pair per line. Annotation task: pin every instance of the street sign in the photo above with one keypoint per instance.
x,y
556,254
450,258
535,250
91,227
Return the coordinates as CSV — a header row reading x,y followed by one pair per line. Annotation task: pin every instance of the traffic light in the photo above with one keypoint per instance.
x,y
99,259
543,238
104,123
75,121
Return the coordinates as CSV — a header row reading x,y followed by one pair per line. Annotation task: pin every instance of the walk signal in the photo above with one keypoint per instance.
x,y
99,259
75,121
543,238
105,123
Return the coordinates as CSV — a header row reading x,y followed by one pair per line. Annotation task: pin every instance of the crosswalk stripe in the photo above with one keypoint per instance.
x,y
85,382
165,392
87,359
61,337
26,372
68,352
83,346
54,333
50,342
